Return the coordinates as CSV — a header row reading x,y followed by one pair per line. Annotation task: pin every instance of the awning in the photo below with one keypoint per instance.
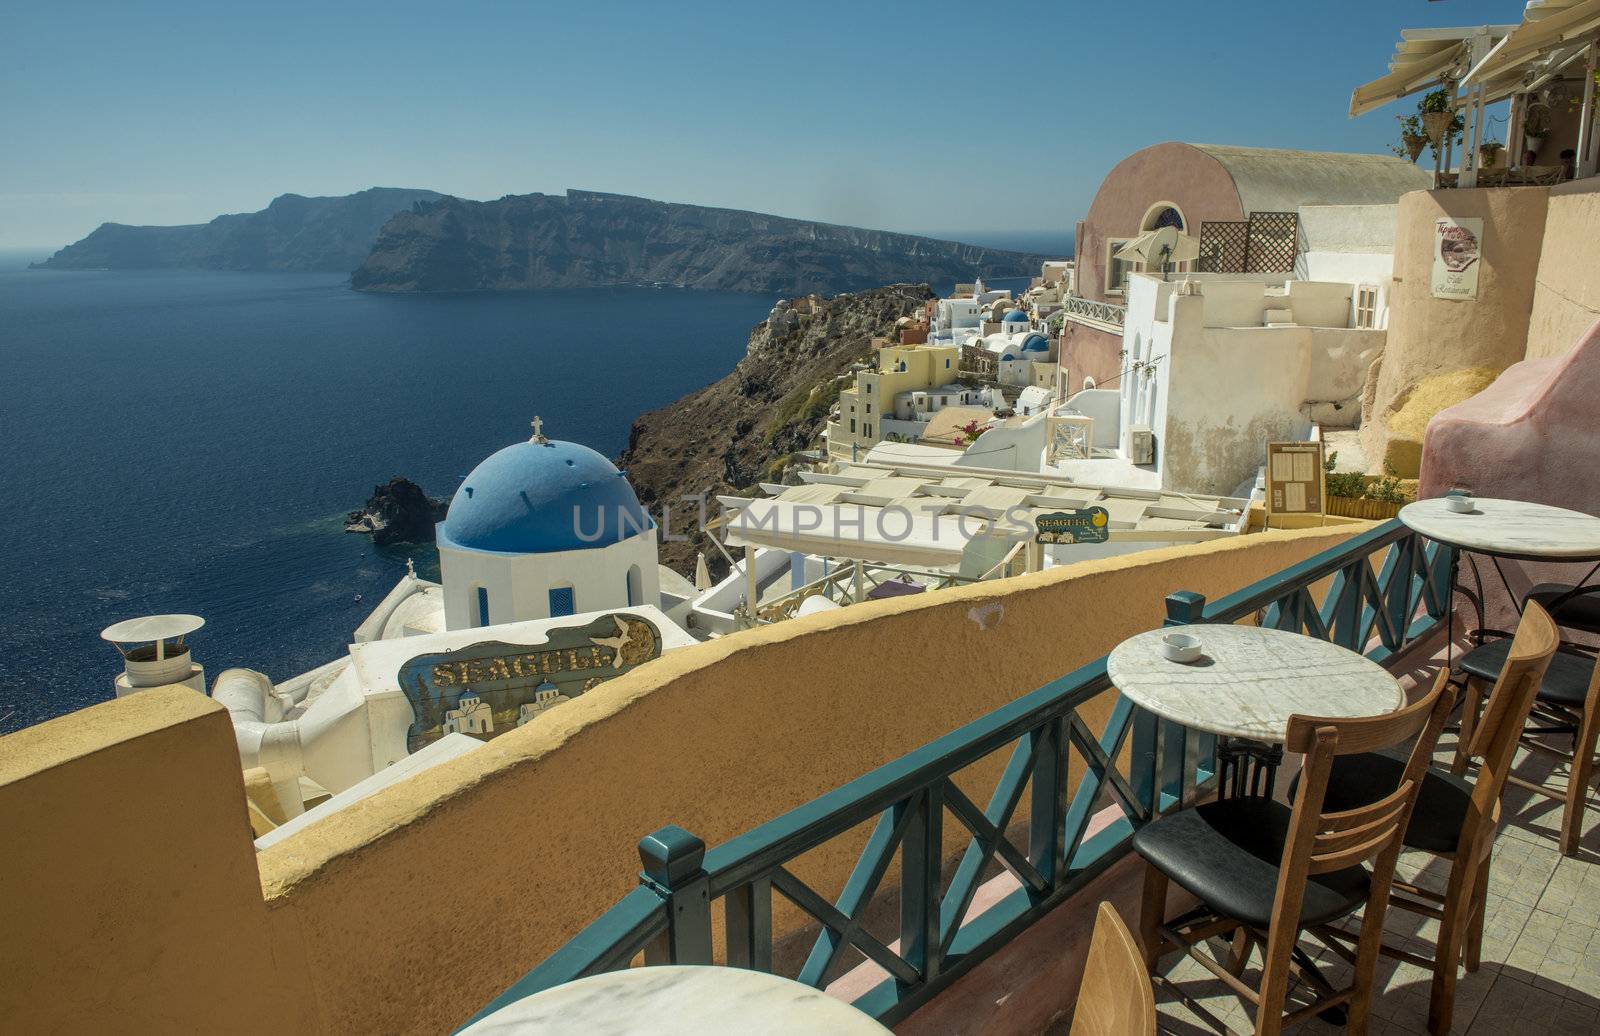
x,y
1422,59
892,536
1546,26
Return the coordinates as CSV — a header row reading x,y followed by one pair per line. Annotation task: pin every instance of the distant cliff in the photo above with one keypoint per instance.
x,y
744,428
292,233
587,239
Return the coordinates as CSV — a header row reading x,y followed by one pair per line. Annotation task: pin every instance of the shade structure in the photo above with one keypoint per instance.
x,y
895,535
1547,25
1423,58
151,627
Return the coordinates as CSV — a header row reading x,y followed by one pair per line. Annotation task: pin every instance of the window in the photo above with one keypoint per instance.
x,y
635,586
869,408
1366,305
947,363
852,426
1117,270
483,606
562,602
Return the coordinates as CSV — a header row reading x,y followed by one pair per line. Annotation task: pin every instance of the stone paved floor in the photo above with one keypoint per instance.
x,y
1541,954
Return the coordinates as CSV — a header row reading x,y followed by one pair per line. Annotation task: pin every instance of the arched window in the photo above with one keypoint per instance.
x,y
1167,216
562,601
483,606
635,587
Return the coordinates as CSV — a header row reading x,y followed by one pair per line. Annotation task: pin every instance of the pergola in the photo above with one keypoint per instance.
x,y
1483,64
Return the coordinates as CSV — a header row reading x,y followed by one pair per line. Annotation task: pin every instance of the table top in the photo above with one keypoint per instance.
x,y
678,1000
1511,528
1249,681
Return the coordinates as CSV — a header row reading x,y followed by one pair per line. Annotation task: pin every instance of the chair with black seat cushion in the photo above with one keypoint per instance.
x,y
1567,702
1575,607
1271,871
1455,817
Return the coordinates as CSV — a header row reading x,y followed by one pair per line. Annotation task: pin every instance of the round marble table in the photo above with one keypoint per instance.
x,y
675,1000
1248,681
1508,529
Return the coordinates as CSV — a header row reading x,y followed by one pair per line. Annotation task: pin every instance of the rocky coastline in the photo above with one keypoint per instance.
x,y
398,512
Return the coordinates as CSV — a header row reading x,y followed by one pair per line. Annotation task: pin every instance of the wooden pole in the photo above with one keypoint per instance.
x,y
1585,164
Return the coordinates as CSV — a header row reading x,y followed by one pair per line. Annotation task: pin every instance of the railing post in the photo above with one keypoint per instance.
x,y
1046,822
921,852
672,859
1185,607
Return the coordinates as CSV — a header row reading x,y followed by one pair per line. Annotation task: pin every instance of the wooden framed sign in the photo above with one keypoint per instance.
x,y
1295,478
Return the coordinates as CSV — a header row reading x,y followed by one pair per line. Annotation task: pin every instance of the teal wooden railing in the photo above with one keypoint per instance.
x,y
668,917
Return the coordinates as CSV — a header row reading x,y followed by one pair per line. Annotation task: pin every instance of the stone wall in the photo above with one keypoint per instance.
x,y
1566,295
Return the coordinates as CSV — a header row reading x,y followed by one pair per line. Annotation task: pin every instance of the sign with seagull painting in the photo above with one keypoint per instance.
x,y
1086,525
492,687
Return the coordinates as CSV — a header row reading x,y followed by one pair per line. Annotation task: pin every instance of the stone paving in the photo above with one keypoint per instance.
x,y
1541,950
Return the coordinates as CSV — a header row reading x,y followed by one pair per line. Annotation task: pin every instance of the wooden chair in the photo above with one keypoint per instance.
x,y
1265,872
1455,819
1115,998
1566,701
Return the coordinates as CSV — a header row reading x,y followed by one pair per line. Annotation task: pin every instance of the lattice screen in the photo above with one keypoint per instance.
x,y
1223,246
1272,242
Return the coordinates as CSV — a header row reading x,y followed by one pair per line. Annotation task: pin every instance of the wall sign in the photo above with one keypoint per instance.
x,y
1087,525
492,687
1457,257
1294,478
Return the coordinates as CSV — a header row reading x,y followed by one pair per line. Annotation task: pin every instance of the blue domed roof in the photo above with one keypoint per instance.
x,y
1036,344
1016,316
542,497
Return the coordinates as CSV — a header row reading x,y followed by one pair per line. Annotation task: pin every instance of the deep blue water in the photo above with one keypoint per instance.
x,y
178,441
185,441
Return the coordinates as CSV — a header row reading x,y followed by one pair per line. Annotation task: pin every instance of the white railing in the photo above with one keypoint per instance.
x,y
1108,316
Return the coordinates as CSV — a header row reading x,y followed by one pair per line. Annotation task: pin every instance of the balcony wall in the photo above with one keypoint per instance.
x,y
410,910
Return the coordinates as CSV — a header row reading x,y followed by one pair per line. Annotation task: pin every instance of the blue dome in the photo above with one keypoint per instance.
x,y
1016,316
1036,344
538,498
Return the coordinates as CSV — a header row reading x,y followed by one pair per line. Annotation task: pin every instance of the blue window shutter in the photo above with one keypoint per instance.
x,y
483,606
561,602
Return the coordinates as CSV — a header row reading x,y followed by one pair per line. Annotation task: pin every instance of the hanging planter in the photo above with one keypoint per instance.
x,y
1413,143
1489,153
1434,125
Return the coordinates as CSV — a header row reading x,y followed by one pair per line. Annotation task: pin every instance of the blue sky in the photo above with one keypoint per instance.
x,y
916,117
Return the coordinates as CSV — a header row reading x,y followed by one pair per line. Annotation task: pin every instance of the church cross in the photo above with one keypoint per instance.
x,y
538,425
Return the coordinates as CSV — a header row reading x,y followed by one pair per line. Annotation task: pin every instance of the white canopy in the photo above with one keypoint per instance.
x,y
1546,26
1422,59
890,535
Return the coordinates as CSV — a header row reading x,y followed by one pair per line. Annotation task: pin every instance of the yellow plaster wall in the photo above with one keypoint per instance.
x,y
129,897
409,910
1566,297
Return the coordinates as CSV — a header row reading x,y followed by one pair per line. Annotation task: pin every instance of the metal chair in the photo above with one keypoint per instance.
x,y
1269,871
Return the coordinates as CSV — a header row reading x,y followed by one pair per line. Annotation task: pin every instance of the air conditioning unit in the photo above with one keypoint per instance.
x,y
1141,445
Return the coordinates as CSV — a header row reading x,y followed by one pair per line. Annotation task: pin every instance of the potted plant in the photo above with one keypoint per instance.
x,y
1536,127
1351,494
1412,139
1439,118
1489,152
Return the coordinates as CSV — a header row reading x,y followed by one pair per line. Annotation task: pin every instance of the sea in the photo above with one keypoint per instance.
x,y
188,441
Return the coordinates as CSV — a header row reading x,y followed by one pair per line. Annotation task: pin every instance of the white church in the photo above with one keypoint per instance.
x,y
549,584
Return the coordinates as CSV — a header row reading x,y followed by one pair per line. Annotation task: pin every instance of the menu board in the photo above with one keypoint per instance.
x,y
1294,478
1457,255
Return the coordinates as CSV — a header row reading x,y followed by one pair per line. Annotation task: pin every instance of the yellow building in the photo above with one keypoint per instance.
x,y
901,368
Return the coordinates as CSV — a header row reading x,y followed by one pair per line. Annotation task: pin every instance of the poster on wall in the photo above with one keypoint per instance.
x,y
1294,478
1457,255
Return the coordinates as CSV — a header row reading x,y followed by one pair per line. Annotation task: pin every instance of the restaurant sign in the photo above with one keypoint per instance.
x,y
1086,525
1457,257
492,686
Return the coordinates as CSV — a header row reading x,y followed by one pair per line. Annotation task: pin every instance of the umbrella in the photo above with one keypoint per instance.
x,y
1160,247
702,573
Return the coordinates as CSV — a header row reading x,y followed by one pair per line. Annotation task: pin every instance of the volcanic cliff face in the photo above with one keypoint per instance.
x,y
587,239
742,429
292,233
